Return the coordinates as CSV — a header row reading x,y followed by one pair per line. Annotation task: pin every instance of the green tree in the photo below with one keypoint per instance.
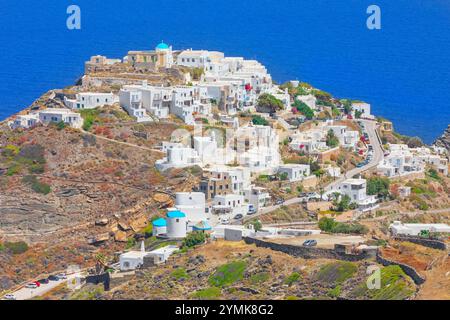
x,y
378,186
304,109
326,224
267,101
258,120
331,139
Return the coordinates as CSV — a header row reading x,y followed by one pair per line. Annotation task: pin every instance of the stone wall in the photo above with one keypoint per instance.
x,y
410,271
306,252
431,243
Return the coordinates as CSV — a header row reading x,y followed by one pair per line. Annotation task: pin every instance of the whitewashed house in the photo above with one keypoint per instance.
x,y
189,101
295,172
193,205
178,157
231,204
347,138
414,229
67,116
25,121
91,100
363,108
399,162
258,197
131,101
356,189
310,100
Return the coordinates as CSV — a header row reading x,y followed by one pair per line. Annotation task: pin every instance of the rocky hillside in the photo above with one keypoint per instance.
x,y
444,140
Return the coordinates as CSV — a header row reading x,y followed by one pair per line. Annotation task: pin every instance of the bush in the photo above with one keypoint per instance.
x,y
194,238
332,226
304,109
180,273
258,120
259,277
294,277
36,185
268,101
336,272
16,247
228,274
208,293
378,186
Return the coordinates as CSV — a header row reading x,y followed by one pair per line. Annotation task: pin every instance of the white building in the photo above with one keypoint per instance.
x,y
356,189
70,118
161,255
132,260
347,138
258,197
178,157
159,227
189,101
193,205
363,108
91,100
25,121
310,100
399,162
258,148
311,141
414,229
154,100
232,204
131,101
295,172
177,225
334,172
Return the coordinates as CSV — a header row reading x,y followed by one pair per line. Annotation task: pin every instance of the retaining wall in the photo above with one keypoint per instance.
x,y
410,271
306,252
431,243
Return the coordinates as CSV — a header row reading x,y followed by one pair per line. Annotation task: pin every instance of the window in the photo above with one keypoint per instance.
x,y
178,220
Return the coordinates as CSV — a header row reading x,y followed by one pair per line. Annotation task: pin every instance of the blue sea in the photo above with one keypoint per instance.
x,y
403,70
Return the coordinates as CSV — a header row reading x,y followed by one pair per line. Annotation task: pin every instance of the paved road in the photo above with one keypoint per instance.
x,y
25,293
378,154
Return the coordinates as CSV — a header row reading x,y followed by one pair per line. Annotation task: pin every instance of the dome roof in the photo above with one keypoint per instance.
x,y
175,214
162,46
159,222
202,226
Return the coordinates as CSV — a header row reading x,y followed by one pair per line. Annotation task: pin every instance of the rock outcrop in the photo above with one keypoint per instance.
x,y
444,140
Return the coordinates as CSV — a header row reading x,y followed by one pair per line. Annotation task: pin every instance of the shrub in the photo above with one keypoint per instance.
x,y
330,225
378,186
292,278
304,109
180,273
337,272
194,238
228,274
259,277
208,293
36,185
16,247
268,101
258,120
332,141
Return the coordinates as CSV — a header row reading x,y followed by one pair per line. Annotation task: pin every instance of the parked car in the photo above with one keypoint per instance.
x,y
32,285
360,165
238,217
61,276
9,296
279,201
43,281
310,243
53,278
251,211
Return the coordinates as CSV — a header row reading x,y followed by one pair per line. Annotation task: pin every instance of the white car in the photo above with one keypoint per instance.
x,y
61,276
31,286
225,221
9,297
